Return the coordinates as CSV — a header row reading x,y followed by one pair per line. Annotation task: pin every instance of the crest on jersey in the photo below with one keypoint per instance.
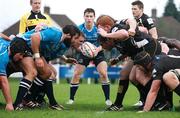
x,y
150,20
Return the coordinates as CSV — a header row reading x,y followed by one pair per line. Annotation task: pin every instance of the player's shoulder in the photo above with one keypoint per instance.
x,y
46,15
27,14
81,26
119,25
145,16
4,41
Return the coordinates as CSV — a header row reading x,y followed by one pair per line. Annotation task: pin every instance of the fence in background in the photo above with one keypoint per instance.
x,y
65,71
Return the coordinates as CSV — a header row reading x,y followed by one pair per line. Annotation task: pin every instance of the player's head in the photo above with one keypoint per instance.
x,y
75,36
142,58
105,22
137,8
36,5
18,48
89,10
89,16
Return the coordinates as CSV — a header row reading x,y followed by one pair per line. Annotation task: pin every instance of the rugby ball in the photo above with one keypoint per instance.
x,y
88,49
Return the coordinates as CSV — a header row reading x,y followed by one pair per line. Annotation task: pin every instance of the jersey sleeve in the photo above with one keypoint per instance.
x,y
23,25
50,34
149,23
3,64
49,21
157,72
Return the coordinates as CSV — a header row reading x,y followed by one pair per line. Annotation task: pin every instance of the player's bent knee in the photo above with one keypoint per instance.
x,y
75,80
45,74
167,76
31,74
103,75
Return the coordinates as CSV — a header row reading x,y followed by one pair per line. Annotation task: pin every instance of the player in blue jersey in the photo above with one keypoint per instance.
x,y
13,52
90,31
47,44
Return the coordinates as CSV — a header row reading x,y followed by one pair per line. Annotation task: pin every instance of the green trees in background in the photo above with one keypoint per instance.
x,y
171,10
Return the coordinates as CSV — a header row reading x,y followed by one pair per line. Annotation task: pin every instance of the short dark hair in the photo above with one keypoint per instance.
x,y
19,45
72,31
138,3
31,1
89,10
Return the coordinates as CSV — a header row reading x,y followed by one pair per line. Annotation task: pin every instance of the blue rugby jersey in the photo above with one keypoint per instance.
x,y
90,35
4,56
51,46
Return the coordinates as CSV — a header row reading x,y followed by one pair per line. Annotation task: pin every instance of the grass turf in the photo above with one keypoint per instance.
x,y
89,103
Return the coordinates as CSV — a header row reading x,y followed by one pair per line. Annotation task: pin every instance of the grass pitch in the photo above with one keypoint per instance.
x,y
89,103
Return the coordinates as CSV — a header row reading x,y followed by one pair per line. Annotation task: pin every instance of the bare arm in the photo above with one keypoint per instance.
x,y
132,24
35,42
68,60
118,35
64,58
153,33
6,92
35,45
5,36
151,97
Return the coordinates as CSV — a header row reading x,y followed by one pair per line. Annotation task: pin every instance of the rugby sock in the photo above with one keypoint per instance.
x,y
142,92
73,89
49,91
123,86
40,97
148,86
34,90
23,89
169,97
106,90
177,90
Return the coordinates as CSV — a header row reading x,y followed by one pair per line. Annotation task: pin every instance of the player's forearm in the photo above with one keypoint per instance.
x,y
4,36
153,33
64,58
151,97
6,89
149,101
132,23
119,35
35,44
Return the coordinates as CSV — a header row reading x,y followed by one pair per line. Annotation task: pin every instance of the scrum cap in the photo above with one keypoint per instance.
x,y
143,58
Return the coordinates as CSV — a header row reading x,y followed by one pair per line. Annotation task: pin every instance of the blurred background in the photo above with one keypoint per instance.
x,y
165,13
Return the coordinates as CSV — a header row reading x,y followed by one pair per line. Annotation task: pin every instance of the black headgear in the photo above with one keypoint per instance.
x,y
143,58
18,45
